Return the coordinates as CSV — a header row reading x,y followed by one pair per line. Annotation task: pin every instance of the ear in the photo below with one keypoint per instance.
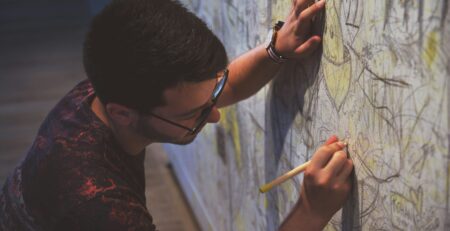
x,y
120,114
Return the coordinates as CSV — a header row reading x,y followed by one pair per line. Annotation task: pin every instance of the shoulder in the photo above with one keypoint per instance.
x,y
117,209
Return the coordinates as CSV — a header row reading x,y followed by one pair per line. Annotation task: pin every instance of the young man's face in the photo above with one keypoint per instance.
x,y
185,104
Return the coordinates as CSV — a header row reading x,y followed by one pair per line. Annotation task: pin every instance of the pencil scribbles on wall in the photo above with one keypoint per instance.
x,y
380,81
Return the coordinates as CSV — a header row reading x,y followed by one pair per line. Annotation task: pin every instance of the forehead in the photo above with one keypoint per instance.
x,y
187,95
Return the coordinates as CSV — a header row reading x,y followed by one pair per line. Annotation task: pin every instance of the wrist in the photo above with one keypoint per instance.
x,y
303,216
316,221
273,54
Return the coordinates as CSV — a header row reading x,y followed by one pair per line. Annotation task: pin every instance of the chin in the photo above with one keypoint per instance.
x,y
183,140
187,139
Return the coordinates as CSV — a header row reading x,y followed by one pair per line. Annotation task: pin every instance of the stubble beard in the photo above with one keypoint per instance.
x,y
147,131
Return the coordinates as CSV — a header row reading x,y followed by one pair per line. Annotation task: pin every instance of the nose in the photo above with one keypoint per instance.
x,y
214,116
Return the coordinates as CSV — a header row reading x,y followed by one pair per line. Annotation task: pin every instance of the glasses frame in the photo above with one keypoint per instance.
x,y
220,85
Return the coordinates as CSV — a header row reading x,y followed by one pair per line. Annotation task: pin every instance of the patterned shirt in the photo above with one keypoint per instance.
x,y
76,176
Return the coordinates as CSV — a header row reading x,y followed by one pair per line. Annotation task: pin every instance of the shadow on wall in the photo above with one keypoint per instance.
x,y
286,99
350,212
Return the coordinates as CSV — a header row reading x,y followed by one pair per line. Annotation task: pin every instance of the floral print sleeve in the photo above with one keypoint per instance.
x,y
75,176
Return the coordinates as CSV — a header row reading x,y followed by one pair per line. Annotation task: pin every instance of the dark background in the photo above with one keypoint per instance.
x,y
40,61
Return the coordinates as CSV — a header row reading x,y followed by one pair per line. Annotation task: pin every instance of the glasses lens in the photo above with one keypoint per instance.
x,y
203,116
220,86
216,93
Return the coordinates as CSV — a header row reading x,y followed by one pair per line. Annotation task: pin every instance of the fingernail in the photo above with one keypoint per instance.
x,y
342,144
321,3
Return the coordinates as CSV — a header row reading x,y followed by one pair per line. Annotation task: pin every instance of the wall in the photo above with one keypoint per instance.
x,y
380,82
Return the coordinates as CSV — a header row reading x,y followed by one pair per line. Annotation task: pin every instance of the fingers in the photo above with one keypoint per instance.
x,y
309,12
307,15
346,170
309,46
336,162
324,154
331,140
300,5
295,35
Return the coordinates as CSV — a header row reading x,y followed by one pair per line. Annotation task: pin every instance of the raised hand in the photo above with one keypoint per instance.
x,y
294,39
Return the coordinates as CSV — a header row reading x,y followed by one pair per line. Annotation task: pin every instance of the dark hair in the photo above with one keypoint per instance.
x,y
135,49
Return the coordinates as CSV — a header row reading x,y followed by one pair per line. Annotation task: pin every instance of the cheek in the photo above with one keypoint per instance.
x,y
162,127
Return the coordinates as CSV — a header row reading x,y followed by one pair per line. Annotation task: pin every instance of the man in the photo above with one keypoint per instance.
x,y
156,73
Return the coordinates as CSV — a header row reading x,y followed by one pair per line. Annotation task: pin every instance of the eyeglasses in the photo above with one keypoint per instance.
x,y
205,112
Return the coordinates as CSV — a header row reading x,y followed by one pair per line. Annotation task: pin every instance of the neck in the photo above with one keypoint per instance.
x,y
130,141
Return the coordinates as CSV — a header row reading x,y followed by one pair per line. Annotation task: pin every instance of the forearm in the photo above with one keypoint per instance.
x,y
248,74
251,71
301,219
